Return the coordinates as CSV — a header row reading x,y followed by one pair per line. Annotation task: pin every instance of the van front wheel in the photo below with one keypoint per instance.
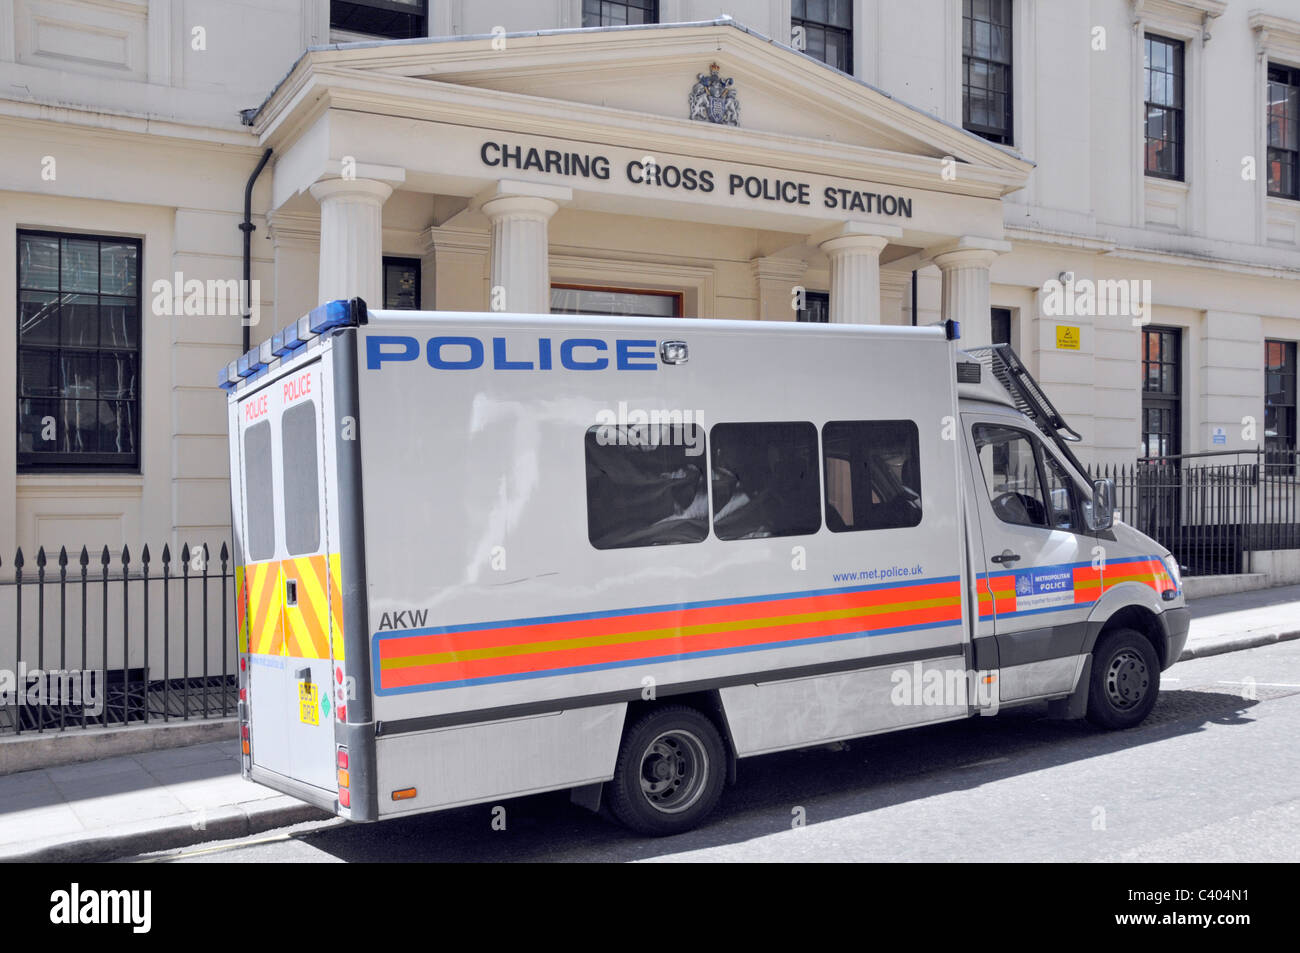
x,y
669,773
1125,680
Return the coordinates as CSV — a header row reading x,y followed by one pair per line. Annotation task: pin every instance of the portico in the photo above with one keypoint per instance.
x,y
575,163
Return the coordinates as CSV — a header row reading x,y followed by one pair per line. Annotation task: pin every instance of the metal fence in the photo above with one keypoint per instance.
x,y
102,641
1212,509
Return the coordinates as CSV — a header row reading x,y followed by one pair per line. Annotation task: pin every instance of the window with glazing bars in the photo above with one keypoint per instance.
x,y
1161,392
78,351
619,12
986,69
824,30
1279,395
1163,91
390,19
1283,132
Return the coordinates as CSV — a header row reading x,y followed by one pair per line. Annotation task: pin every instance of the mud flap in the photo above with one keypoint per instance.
x,y
1075,705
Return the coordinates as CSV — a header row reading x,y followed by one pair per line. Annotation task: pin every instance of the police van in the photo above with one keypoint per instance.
x,y
489,555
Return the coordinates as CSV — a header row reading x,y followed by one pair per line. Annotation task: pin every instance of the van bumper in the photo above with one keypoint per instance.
x,y
1175,622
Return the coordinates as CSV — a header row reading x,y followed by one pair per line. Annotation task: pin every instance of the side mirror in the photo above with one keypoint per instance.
x,y
1099,512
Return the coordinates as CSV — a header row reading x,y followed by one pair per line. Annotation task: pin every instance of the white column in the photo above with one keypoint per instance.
x,y
854,250
964,272
520,270
351,239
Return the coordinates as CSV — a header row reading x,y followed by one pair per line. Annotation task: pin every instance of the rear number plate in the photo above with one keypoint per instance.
x,y
308,703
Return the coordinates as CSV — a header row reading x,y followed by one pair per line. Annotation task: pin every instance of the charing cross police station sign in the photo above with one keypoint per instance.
x,y
690,179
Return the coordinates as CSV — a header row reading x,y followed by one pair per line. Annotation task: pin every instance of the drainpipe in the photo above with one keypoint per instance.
x,y
247,227
913,299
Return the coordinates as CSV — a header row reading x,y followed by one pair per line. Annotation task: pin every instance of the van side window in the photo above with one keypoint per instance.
x,y
646,485
259,495
1061,494
873,474
299,441
765,480
1011,475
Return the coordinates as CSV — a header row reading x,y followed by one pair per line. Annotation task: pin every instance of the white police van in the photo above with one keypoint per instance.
x,y
487,555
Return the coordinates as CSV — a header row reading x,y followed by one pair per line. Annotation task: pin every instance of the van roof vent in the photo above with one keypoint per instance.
x,y
968,372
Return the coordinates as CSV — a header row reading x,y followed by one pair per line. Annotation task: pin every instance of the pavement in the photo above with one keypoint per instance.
x,y
161,800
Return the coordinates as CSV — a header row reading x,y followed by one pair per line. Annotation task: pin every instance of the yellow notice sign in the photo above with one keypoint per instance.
x,y
1067,337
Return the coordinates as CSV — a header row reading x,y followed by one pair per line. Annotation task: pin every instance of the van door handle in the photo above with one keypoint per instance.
x,y
1007,557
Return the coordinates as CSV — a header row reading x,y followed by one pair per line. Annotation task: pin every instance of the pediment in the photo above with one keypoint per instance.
x,y
652,71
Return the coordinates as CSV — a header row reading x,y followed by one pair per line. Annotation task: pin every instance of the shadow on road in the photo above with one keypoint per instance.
x,y
827,783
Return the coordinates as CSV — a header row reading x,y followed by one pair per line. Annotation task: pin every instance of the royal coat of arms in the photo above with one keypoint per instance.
x,y
714,99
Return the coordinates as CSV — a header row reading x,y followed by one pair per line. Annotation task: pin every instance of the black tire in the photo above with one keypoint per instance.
x,y
1125,679
670,771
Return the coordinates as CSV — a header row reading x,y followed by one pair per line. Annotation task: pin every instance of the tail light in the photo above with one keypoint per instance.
x,y
345,779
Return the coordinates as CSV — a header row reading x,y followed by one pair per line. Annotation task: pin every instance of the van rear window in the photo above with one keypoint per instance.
x,y
646,485
765,480
299,442
259,496
873,474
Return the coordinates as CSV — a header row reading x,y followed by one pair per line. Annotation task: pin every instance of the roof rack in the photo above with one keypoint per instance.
x,y
1029,398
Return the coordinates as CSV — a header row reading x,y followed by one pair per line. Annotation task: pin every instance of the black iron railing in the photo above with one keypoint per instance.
x,y
1212,509
102,642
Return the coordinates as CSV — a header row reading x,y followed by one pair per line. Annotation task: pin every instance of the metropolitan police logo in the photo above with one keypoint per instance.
x,y
713,99
1024,584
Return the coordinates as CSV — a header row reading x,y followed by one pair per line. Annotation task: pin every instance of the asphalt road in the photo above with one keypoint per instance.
x,y
1212,775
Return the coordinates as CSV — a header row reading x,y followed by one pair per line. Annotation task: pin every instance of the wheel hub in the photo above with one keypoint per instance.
x,y
1127,679
674,768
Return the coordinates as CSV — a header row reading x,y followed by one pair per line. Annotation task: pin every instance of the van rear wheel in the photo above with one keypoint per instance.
x,y
1125,680
669,773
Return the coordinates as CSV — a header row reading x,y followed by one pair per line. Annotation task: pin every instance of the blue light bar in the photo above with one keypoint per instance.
x,y
332,314
228,377
287,340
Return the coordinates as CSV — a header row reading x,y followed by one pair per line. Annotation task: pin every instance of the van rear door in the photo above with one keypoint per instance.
x,y
288,580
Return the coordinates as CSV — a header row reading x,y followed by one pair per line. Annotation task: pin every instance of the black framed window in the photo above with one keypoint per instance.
x,y
1283,132
619,12
402,284
765,480
390,19
1279,396
1163,92
872,474
816,308
823,29
986,69
1009,463
1161,392
1000,325
646,485
78,351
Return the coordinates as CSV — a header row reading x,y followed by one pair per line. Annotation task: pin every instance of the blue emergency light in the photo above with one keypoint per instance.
x,y
288,341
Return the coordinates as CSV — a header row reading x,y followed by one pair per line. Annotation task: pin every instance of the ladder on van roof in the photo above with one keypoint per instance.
x,y
1029,398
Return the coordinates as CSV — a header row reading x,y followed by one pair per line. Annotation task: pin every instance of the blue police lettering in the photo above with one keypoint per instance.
x,y
569,362
376,355
627,356
466,353
475,358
